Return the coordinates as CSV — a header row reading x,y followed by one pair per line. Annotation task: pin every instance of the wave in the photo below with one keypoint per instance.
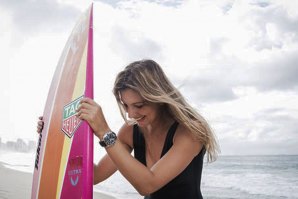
x,y
18,161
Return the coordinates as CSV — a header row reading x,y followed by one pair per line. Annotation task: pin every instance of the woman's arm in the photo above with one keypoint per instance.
x,y
145,180
148,180
103,169
106,167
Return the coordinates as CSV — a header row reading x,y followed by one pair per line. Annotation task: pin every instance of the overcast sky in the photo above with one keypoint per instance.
x,y
235,61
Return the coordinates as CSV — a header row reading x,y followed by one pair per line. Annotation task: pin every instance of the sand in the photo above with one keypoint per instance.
x,y
17,185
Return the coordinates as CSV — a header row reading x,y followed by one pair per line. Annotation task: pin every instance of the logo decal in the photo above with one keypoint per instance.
x,y
75,170
70,121
74,182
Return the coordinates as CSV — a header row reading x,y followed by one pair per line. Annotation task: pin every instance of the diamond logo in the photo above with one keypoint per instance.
x,y
70,122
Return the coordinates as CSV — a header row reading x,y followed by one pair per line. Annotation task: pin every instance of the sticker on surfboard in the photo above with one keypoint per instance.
x,y
70,122
75,170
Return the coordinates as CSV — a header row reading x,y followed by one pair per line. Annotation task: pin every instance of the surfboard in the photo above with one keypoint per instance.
x,y
64,156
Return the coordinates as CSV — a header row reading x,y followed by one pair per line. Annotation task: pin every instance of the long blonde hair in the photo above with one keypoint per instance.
x,y
148,79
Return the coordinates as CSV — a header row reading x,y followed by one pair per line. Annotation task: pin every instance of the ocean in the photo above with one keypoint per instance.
x,y
248,177
245,177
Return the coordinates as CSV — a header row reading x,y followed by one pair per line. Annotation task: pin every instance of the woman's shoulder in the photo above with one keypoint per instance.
x,y
183,131
185,137
125,134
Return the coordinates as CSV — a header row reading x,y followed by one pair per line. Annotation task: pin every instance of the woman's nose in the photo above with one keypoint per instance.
x,y
131,112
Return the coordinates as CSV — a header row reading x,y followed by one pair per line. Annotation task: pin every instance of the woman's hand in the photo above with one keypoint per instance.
x,y
90,111
40,124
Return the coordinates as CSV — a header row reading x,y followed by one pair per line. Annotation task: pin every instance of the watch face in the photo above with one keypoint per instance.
x,y
110,138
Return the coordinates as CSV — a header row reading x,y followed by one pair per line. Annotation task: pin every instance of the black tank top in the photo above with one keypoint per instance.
x,y
184,186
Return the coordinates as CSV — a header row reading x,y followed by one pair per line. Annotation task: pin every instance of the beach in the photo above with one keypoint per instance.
x,y
17,185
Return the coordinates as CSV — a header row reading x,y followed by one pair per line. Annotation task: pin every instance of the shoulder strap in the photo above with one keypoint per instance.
x,y
169,139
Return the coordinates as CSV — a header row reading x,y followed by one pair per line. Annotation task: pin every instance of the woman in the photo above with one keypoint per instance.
x,y
168,137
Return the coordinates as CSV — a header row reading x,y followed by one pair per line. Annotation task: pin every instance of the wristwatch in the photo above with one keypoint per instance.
x,y
108,139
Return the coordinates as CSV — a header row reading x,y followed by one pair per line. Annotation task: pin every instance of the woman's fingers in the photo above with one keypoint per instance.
x,y
40,124
88,106
90,111
87,101
84,108
85,105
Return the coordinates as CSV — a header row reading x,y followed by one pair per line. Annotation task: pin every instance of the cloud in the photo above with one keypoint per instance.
x,y
267,131
280,124
278,73
31,16
257,47
209,85
217,82
109,2
117,3
133,45
246,44
274,28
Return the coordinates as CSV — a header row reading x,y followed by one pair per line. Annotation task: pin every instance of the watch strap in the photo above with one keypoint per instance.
x,y
102,143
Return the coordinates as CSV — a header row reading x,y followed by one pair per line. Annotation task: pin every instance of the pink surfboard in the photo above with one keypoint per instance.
x,y
64,155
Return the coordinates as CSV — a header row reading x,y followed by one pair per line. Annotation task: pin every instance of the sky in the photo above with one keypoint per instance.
x,y
235,61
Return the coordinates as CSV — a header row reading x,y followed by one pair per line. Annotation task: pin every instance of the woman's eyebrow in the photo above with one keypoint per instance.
x,y
135,103
140,102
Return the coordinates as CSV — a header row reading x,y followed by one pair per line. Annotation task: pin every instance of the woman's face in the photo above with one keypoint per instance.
x,y
144,112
